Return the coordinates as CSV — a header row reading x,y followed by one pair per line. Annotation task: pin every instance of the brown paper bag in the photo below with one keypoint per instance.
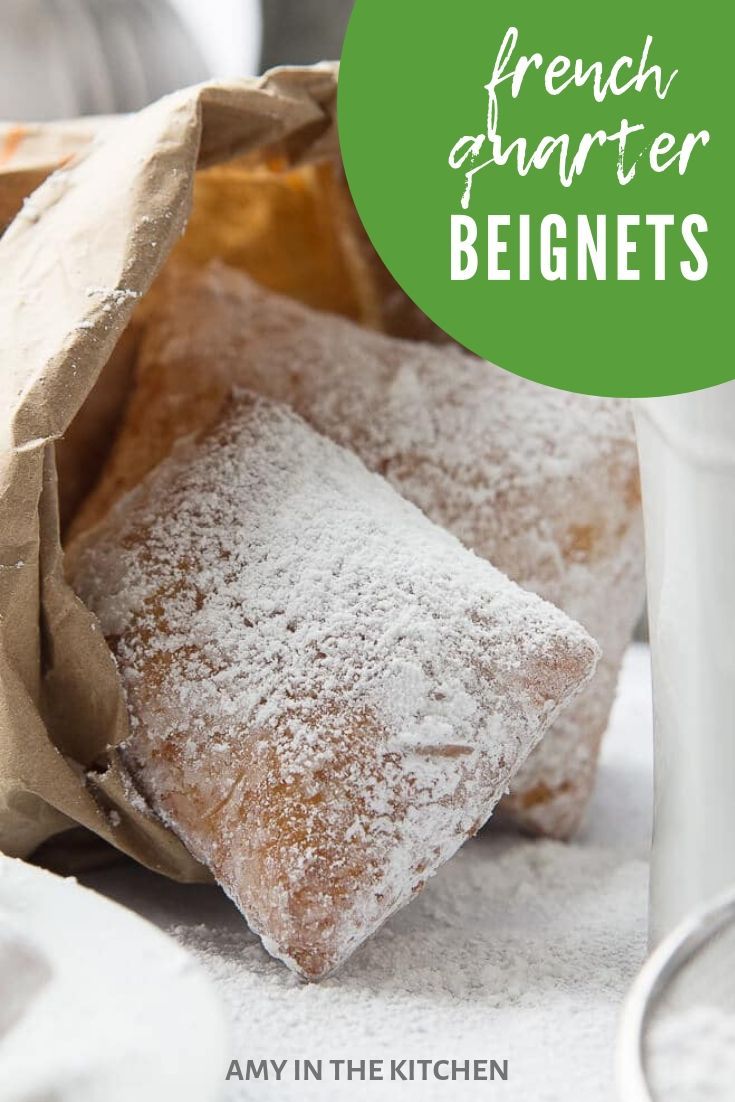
x,y
259,161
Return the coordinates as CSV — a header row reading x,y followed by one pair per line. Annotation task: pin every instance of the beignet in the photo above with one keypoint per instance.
x,y
327,692
542,483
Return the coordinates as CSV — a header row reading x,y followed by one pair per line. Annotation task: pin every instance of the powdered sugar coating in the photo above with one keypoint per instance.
x,y
542,483
327,692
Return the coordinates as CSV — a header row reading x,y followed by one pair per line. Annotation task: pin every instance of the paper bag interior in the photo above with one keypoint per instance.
x,y
295,230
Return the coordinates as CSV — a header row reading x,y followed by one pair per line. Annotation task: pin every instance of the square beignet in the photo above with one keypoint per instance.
x,y
327,692
540,482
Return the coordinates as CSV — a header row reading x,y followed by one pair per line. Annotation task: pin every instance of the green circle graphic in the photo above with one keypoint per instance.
x,y
587,141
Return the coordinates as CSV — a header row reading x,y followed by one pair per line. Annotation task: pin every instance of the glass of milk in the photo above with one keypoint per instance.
x,y
687,452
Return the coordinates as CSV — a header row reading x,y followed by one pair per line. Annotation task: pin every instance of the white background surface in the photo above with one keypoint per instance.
x,y
228,33
65,59
519,950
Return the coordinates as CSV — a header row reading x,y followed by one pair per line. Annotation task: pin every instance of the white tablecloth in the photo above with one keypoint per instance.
x,y
518,951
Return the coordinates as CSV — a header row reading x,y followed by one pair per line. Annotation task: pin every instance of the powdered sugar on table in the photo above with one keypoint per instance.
x,y
517,950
